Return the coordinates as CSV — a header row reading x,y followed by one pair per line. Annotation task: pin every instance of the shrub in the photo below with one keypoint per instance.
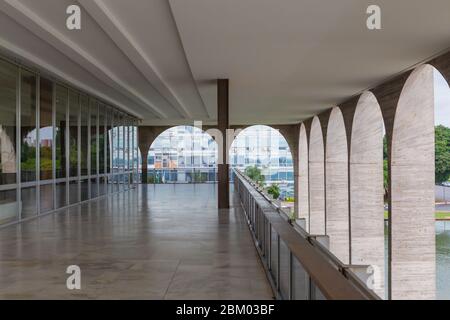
x,y
274,190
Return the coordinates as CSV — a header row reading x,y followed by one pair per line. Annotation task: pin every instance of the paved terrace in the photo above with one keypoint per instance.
x,y
156,242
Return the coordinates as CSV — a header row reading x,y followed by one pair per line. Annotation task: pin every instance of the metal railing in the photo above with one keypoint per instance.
x,y
298,265
182,175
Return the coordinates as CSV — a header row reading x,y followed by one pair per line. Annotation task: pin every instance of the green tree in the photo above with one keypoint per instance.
x,y
255,174
442,154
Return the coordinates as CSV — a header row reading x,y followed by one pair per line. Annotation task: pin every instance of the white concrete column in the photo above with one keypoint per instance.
x,y
316,180
303,177
412,168
336,182
366,189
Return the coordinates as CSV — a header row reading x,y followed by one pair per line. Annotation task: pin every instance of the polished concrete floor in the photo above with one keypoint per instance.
x,y
155,242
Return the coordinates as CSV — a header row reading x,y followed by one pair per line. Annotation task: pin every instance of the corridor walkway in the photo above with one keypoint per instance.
x,y
156,242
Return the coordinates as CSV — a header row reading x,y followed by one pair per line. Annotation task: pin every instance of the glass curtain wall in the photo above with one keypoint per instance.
x,y
58,146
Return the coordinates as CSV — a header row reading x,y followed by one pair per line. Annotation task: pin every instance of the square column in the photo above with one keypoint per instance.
x,y
223,125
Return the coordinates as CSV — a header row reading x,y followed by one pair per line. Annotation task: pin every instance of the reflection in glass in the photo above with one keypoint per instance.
x,y
28,198
46,129
46,196
74,112
125,154
60,195
75,135
8,159
73,192
101,138
121,152
60,145
28,142
60,142
109,116
94,188
46,144
84,190
8,206
84,135
94,111
8,165
28,127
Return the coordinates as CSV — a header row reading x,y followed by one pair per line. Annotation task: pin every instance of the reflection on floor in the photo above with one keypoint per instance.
x,y
156,242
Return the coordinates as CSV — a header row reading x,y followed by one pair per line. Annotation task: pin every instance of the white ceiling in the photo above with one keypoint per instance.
x,y
286,59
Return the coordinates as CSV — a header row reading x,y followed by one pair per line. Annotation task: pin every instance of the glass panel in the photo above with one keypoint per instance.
x,y
73,192
115,142
28,142
136,154
60,195
28,198
84,184
109,115
46,129
74,113
102,186
102,143
125,154
28,127
8,206
121,152
94,112
300,281
8,159
274,255
84,135
101,139
94,188
46,195
109,146
60,141
284,270
116,153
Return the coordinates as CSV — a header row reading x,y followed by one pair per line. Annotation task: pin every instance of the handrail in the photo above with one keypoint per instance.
x,y
325,272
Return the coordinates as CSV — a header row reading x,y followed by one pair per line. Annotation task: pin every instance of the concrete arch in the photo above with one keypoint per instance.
x,y
272,128
413,255
303,177
316,179
336,184
366,188
198,130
